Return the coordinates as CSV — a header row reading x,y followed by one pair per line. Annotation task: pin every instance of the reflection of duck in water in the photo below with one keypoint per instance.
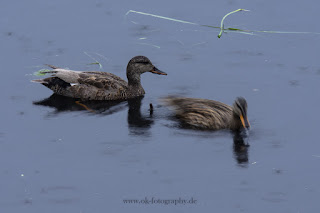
x,y
135,119
93,85
137,123
209,114
62,104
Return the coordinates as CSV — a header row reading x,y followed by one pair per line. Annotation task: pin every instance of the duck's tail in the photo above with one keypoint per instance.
x,y
51,80
45,81
41,81
69,76
52,83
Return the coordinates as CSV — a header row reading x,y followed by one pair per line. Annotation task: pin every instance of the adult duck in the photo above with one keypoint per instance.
x,y
209,114
94,85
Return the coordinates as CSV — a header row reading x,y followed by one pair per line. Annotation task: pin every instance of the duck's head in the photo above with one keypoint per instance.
x,y
240,110
141,64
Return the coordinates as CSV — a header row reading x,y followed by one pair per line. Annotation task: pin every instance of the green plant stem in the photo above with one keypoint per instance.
x,y
224,17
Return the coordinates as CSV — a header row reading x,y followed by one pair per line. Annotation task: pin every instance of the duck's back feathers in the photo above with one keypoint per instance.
x,y
103,80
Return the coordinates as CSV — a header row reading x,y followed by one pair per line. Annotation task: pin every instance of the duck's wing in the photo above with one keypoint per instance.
x,y
98,86
201,113
85,85
102,80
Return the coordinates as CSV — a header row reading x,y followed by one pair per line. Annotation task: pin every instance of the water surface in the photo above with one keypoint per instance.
x,y
57,156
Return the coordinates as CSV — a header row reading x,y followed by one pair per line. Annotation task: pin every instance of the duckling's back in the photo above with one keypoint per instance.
x,y
201,113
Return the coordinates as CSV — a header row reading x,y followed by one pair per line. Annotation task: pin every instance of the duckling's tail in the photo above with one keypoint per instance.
x,y
170,100
167,100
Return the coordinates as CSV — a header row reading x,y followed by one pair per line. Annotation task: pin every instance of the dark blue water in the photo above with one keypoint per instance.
x,y
55,156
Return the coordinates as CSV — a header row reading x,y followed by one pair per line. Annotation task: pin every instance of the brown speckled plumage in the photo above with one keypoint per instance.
x,y
94,85
209,114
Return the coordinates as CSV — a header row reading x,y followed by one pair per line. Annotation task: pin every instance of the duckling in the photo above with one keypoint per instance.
x,y
209,114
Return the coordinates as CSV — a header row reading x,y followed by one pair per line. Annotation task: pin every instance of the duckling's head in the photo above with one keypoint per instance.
x,y
240,110
138,65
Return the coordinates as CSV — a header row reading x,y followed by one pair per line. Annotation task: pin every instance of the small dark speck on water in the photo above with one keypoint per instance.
x,y
28,201
151,109
303,68
145,27
99,5
9,33
186,57
109,13
277,171
294,83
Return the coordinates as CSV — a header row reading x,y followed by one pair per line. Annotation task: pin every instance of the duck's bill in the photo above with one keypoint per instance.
x,y
245,122
157,71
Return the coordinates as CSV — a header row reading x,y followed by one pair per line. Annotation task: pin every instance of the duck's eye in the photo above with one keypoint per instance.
x,y
143,62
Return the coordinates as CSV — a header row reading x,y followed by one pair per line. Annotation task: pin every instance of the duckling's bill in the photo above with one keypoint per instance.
x,y
244,121
157,71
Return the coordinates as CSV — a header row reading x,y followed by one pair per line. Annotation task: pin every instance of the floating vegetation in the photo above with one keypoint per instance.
x,y
224,17
222,29
96,61
41,72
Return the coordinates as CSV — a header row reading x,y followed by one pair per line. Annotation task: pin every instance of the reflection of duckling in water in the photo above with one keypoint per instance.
x,y
240,147
93,85
209,114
